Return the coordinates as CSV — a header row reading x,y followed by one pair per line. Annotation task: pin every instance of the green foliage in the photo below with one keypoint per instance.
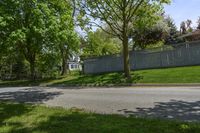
x,y
99,43
41,32
153,28
171,24
48,65
62,34
151,31
119,16
150,35
173,32
37,31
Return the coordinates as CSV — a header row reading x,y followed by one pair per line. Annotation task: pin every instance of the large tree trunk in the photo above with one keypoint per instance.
x,y
11,70
64,66
126,58
32,67
125,43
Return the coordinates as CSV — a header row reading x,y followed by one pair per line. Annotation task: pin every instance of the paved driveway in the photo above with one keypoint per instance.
x,y
164,102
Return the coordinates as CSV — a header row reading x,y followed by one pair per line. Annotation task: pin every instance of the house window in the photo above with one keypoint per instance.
x,y
72,66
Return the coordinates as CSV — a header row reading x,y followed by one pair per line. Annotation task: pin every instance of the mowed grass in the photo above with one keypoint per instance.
x,y
24,118
189,74
171,75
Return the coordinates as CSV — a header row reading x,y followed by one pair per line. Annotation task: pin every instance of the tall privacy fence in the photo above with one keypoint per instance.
x,y
184,54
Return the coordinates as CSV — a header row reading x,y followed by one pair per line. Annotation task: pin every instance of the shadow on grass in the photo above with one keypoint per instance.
x,y
100,80
22,83
11,110
180,110
20,118
33,95
77,80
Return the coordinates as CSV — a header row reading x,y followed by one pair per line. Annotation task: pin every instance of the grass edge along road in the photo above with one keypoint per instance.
x,y
189,74
23,118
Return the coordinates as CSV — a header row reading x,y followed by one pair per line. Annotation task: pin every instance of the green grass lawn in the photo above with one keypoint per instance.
x,y
170,75
24,118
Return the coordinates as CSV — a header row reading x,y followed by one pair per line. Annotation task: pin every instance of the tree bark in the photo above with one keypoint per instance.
x,y
126,58
11,70
32,67
64,66
125,41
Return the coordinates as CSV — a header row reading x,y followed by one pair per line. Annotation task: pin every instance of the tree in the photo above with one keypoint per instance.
x,y
62,32
68,48
198,24
99,43
173,32
186,26
183,29
189,25
119,16
151,30
37,28
149,33
25,27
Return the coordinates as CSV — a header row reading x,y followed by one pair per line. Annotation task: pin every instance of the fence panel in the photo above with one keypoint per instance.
x,y
184,55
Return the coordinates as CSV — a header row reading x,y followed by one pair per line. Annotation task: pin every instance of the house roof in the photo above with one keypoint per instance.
x,y
191,34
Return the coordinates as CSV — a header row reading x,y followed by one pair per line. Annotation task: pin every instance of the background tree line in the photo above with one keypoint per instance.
x,y
186,26
39,36
36,37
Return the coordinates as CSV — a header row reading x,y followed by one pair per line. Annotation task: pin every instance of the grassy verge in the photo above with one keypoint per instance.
x,y
24,118
170,75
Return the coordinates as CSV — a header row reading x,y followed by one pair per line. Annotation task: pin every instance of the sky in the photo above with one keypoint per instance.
x,y
181,10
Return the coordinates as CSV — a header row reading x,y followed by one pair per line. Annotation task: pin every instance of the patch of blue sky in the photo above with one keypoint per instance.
x,y
181,10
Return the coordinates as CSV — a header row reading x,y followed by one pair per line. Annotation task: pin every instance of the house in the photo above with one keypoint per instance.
x,y
193,36
188,40
74,63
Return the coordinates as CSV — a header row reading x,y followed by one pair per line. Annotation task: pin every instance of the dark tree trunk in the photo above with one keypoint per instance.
x,y
11,70
126,58
64,66
32,67
125,42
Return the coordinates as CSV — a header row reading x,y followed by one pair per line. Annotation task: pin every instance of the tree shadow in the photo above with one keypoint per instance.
x,y
106,79
11,107
179,110
10,110
111,79
22,83
25,118
76,122
33,95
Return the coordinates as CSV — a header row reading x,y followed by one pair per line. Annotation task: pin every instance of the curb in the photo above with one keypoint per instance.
x,y
131,85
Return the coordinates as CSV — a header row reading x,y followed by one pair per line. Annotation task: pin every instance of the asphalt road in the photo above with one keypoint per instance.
x,y
181,103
